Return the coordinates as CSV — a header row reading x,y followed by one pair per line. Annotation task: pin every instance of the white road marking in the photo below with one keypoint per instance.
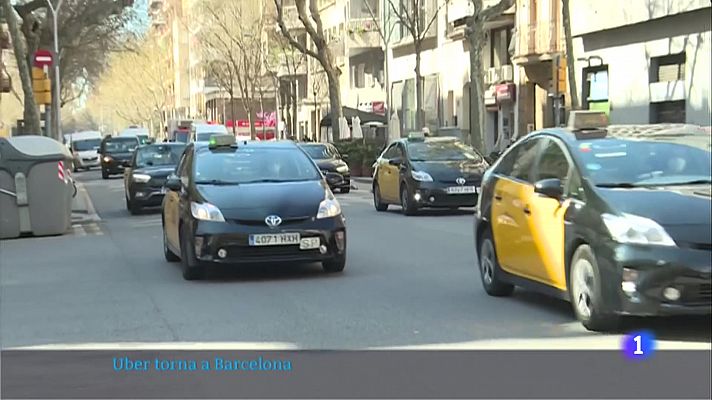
x,y
124,346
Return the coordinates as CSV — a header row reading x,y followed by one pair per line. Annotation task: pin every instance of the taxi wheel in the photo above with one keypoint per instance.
x,y
490,270
335,265
167,253
104,174
345,190
132,207
409,207
377,201
191,269
585,292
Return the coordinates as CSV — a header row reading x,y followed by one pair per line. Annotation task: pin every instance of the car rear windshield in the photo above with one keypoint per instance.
x,y
669,160
441,151
158,155
86,145
253,165
319,152
121,145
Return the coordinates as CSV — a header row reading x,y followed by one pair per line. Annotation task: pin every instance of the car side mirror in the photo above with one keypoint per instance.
x,y
173,183
552,188
395,161
344,156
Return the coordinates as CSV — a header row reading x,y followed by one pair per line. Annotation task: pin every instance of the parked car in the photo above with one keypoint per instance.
x,y
331,164
85,149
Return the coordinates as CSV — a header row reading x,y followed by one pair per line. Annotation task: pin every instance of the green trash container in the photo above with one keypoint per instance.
x,y
36,187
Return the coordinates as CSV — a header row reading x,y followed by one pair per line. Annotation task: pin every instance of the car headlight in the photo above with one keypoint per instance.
x,y
141,178
107,159
206,212
421,176
329,207
628,228
342,169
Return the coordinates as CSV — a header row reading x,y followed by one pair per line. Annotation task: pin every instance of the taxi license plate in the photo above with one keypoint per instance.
x,y
309,243
463,190
277,239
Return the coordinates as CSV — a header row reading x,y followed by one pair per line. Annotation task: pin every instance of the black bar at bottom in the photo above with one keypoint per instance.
x,y
355,374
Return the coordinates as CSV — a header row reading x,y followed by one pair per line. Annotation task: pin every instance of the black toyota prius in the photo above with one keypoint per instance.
x,y
250,202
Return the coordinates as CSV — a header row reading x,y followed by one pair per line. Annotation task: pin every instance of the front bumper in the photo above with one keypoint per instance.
x,y
687,270
114,167
147,196
81,162
233,237
338,180
435,195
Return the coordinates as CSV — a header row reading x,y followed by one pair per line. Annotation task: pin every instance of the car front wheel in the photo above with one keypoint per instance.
x,y
192,270
490,270
336,265
585,292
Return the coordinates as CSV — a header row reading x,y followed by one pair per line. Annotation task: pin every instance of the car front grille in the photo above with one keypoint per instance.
x,y
261,222
700,293
247,252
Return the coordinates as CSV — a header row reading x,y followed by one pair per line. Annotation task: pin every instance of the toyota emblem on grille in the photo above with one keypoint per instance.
x,y
461,181
273,221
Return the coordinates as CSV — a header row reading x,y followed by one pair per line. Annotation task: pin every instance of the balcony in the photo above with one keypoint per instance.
x,y
495,75
291,18
538,42
363,34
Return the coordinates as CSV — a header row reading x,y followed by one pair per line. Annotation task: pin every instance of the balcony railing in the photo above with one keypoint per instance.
x,y
363,33
539,39
291,17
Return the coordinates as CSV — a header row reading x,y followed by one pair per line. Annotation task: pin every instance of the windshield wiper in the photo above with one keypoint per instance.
x,y
216,182
278,180
692,182
623,185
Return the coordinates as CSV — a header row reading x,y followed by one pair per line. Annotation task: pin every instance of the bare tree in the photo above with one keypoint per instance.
x,y
476,38
566,17
31,112
311,21
414,17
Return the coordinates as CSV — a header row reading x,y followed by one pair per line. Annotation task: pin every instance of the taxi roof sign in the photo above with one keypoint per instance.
x,y
588,124
416,136
222,140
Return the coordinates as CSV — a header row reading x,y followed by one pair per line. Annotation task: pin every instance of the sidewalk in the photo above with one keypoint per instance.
x,y
82,207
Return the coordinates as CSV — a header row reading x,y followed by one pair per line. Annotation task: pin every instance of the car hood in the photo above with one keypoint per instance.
x,y
87,153
684,211
161,171
329,164
120,156
255,201
451,170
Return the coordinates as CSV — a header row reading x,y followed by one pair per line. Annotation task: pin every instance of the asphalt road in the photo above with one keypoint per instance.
x,y
410,282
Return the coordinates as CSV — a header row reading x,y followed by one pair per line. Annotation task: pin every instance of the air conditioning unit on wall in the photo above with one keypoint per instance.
x,y
507,73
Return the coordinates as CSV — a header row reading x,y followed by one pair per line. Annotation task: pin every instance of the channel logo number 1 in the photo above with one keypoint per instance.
x,y
639,345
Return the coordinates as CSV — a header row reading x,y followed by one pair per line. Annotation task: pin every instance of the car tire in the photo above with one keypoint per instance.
x,y
377,201
335,265
490,271
132,207
585,292
104,174
345,190
192,270
409,207
167,252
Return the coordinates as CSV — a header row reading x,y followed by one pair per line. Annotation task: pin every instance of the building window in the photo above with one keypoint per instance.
x,y
667,68
595,89
670,112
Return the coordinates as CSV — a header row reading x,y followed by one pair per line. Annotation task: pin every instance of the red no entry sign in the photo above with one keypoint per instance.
x,y
43,58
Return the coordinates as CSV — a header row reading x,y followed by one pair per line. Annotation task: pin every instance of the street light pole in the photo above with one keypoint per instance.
x,y
57,84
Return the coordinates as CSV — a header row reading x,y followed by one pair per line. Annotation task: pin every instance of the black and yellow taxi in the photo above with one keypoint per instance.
x,y
617,221
251,202
427,172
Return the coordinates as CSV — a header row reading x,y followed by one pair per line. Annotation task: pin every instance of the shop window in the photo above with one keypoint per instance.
x,y
671,112
667,68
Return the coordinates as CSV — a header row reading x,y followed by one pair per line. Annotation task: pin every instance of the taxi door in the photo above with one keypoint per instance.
x,y
389,175
546,218
510,223
171,204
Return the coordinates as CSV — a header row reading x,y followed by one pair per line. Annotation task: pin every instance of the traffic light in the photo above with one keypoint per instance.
x,y
558,75
41,86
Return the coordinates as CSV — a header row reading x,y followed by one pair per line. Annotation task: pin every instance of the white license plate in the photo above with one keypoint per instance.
x,y
463,190
277,239
309,243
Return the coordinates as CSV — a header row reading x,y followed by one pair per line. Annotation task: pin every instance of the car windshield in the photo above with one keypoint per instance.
x,y
253,165
86,145
143,139
677,160
158,155
121,145
319,152
441,151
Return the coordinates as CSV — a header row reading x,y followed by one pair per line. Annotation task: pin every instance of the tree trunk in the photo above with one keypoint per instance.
x,y
335,101
295,96
251,120
232,114
477,92
419,113
31,113
573,92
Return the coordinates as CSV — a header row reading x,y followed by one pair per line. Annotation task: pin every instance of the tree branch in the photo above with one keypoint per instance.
x,y
285,32
496,10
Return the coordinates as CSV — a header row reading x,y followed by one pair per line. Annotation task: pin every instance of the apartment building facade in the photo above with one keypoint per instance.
x,y
644,62
445,68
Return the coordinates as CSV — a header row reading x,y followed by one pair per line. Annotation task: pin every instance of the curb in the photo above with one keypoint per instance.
x,y
86,211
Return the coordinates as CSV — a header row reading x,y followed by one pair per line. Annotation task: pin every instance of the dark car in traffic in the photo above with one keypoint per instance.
x,y
251,202
619,225
145,177
116,153
434,172
331,164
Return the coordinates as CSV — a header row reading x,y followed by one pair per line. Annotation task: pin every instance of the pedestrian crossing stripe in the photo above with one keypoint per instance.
x,y
92,229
